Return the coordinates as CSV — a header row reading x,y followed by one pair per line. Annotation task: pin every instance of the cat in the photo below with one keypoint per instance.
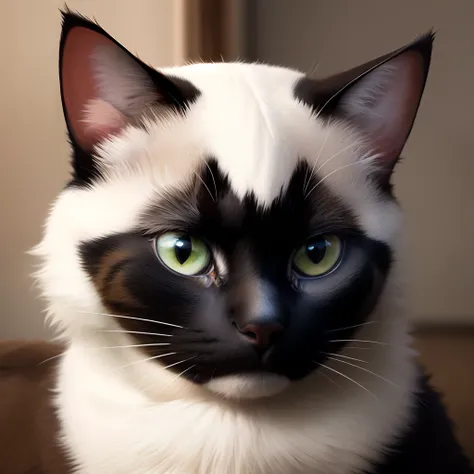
x,y
225,271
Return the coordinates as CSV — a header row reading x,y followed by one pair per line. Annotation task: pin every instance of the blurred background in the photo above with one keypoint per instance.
x,y
435,182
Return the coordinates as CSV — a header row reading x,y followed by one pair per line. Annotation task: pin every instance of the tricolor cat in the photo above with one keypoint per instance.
x,y
225,269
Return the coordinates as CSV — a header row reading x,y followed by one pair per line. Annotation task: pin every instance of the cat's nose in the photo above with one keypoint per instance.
x,y
261,334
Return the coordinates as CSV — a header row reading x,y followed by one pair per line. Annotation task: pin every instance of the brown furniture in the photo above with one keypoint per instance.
x,y
448,355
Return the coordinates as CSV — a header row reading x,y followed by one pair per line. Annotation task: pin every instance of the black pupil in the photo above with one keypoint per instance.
x,y
316,250
183,248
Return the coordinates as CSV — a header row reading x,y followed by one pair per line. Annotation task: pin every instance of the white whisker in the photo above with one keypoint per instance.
x,y
143,333
332,354
50,359
213,373
336,170
320,372
134,318
352,327
360,340
180,362
358,348
380,377
173,379
213,180
305,188
348,378
184,371
366,370
314,68
328,101
159,356
335,155
126,346
205,185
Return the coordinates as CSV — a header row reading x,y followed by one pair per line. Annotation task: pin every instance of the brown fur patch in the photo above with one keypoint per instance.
x,y
109,279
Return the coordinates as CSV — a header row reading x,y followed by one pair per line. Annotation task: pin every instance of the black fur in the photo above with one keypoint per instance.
x,y
258,245
428,446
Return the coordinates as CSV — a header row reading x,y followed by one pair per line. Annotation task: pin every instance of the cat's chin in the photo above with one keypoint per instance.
x,y
248,386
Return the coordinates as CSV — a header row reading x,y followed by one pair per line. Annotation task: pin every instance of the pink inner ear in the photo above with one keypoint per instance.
x,y
89,118
401,105
101,120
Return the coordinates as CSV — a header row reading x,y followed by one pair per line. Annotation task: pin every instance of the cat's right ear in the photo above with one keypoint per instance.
x,y
104,87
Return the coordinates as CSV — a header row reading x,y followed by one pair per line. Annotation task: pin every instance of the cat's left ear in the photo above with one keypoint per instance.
x,y
104,88
380,98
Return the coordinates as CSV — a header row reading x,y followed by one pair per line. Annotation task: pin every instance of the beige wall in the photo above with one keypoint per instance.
x,y
436,180
33,148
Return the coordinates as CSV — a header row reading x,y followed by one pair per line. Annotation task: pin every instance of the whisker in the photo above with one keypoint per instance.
x,y
360,340
352,327
143,333
180,362
336,170
159,356
186,370
134,318
327,377
358,348
126,346
380,377
366,370
348,378
332,354
213,179
213,373
335,155
314,68
345,86
305,188
153,383
50,359
205,185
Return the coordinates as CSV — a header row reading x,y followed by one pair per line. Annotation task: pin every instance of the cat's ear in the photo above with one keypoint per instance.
x,y
381,98
104,87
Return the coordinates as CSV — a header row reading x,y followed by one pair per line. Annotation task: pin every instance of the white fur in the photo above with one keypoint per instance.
x,y
142,418
248,386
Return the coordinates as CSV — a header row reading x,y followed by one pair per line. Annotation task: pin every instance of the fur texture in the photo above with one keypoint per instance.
x,y
121,412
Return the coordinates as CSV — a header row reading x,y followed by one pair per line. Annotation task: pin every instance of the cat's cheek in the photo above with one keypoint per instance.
x,y
344,298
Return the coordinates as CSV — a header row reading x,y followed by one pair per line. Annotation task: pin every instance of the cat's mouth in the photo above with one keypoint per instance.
x,y
249,385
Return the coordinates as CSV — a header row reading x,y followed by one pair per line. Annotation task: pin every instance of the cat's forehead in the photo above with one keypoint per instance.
x,y
247,117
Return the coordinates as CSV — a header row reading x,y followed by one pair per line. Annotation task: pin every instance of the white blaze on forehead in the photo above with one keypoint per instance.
x,y
248,119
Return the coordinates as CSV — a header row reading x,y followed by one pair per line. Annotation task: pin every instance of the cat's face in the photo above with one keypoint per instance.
x,y
236,220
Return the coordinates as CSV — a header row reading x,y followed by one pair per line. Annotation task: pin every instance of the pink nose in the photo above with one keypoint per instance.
x,y
260,334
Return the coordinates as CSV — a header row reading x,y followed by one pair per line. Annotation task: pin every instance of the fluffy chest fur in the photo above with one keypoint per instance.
x,y
319,428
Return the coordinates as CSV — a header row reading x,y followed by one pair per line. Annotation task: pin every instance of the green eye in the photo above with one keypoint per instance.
x,y
318,256
183,253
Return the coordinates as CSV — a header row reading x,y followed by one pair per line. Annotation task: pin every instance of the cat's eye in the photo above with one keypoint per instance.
x,y
183,253
318,256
